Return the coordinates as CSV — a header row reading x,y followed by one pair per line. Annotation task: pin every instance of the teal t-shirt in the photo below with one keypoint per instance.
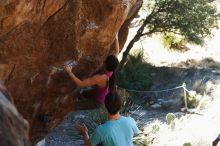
x,y
115,132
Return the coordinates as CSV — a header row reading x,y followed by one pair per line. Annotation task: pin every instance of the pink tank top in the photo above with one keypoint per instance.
x,y
102,92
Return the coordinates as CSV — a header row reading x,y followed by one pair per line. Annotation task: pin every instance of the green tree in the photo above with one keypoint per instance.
x,y
191,19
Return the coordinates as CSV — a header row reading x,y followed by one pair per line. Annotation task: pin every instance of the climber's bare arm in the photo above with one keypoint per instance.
x,y
94,80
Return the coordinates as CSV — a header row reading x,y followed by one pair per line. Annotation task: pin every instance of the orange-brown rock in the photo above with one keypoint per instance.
x,y
39,36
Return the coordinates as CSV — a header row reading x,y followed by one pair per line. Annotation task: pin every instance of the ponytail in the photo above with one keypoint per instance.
x,y
112,83
111,64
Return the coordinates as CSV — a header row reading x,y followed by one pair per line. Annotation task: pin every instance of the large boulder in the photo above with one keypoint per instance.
x,y
13,127
38,37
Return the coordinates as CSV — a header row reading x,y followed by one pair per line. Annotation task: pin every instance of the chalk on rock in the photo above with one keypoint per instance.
x,y
71,63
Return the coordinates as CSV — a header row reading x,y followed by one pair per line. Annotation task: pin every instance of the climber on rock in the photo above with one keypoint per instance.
x,y
104,81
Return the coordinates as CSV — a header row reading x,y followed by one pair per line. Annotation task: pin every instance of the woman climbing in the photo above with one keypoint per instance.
x,y
105,81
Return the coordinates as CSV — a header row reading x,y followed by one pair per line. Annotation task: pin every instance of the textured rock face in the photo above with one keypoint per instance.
x,y
38,36
14,129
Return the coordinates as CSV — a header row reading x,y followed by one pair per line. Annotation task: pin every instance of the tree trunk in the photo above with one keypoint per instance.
x,y
136,38
126,52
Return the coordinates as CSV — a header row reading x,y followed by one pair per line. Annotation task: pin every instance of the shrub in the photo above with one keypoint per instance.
x,y
192,99
170,117
174,42
147,136
187,144
135,74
